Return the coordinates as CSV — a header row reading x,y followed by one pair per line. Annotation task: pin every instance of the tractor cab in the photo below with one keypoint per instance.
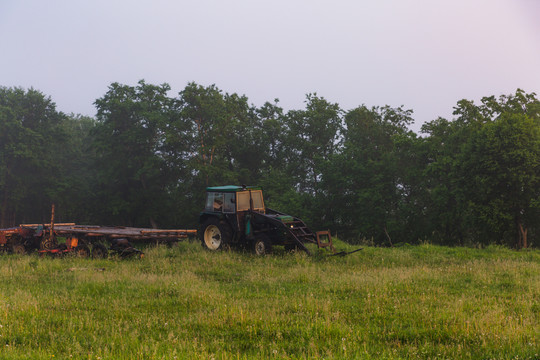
x,y
234,199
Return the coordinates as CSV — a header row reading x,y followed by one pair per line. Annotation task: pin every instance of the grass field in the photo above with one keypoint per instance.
x,y
417,302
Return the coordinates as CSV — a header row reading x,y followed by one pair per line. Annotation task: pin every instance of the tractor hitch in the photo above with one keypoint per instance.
x,y
343,253
324,240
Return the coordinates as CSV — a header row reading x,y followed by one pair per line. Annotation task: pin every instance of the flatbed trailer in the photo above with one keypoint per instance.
x,y
84,240
115,232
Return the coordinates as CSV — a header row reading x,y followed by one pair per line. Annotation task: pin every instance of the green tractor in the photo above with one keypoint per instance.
x,y
236,216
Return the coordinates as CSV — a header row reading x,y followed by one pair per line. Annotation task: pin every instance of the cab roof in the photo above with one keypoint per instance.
x,y
231,188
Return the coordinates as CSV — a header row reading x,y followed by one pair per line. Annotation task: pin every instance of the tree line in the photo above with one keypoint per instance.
x,y
146,158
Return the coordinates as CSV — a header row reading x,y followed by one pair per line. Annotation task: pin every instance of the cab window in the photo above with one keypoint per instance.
x,y
229,202
214,201
209,206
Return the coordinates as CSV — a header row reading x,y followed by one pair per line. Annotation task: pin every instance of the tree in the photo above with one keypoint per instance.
x,y
132,171
365,181
219,122
312,136
78,160
484,169
32,139
504,175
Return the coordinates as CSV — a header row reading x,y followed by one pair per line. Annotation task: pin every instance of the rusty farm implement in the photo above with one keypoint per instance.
x,y
83,240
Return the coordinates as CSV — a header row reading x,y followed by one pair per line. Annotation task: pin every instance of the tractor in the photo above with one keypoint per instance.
x,y
236,216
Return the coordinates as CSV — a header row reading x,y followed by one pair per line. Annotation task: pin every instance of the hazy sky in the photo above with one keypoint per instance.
x,y
423,54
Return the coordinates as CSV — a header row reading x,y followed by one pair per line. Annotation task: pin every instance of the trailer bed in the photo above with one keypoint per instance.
x,y
114,232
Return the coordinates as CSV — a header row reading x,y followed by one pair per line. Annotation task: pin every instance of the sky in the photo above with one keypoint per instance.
x,y
424,55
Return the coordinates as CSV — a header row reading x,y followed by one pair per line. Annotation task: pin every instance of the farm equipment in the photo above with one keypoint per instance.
x,y
17,240
236,215
83,240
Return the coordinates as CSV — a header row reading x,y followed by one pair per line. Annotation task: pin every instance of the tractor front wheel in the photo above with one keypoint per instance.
x,y
262,245
215,235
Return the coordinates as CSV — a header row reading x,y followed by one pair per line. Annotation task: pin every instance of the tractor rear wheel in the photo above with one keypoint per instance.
x,y
215,235
262,245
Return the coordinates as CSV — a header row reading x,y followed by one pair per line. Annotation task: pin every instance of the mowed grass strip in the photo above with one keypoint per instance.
x,y
186,303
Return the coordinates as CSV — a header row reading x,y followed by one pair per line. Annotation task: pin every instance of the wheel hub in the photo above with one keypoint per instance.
x,y
212,237
260,248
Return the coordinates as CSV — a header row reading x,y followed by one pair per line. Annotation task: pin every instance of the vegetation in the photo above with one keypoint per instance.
x,y
147,157
405,302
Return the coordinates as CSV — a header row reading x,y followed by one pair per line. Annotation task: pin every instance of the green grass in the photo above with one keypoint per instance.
x,y
185,303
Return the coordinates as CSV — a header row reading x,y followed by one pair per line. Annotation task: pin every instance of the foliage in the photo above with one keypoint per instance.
x,y
132,177
39,150
484,170
370,173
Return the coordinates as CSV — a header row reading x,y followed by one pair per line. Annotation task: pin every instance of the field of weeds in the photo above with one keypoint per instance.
x,y
185,303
